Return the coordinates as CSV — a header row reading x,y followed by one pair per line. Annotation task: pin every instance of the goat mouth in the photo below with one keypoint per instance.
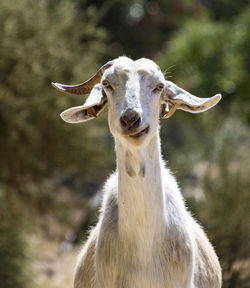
x,y
142,132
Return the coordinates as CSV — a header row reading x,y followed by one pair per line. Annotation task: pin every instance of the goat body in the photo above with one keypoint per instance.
x,y
145,236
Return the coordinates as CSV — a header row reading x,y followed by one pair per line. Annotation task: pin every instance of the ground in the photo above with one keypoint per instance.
x,y
53,263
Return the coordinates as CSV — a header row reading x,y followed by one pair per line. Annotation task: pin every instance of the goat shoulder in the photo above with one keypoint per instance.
x,y
85,272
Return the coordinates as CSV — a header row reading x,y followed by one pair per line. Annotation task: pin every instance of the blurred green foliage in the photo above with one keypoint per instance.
x,y
139,28
43,41
203,46
224,205
206,57
212,57
14,257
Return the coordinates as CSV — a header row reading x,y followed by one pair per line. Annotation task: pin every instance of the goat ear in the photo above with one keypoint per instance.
x,y
183,100
89,110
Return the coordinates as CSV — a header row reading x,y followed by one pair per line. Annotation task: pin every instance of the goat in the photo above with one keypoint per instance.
x,y
145,236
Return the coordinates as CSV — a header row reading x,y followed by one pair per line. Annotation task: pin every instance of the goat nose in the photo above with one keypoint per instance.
x,y
130,119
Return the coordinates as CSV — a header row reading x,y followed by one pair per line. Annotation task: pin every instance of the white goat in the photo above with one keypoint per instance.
x,y
145,237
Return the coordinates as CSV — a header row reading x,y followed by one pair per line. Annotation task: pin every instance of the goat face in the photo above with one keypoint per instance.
x,y
135,92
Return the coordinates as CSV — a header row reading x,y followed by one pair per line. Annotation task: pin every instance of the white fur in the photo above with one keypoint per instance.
x,y
145,237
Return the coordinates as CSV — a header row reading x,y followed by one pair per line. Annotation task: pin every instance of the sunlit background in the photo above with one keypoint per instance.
x,y
51,173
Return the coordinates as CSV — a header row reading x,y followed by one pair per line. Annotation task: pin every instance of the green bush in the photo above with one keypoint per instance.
x,y
43,41
212,149
13,257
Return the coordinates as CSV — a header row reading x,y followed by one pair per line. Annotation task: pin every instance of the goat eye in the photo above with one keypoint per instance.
x,y
158,87
106,84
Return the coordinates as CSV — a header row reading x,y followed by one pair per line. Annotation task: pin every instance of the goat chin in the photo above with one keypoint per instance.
x,y
145,236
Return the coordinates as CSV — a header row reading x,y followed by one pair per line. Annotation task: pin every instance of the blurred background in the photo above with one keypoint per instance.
x,y
51,172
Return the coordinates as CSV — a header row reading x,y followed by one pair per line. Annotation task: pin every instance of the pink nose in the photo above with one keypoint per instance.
x,y
130,119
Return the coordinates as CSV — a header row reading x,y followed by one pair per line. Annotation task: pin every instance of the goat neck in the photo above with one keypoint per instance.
x,y
140,193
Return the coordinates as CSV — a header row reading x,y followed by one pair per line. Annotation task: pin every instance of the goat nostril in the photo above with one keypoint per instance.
x,y
123,123
124,120
137,122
